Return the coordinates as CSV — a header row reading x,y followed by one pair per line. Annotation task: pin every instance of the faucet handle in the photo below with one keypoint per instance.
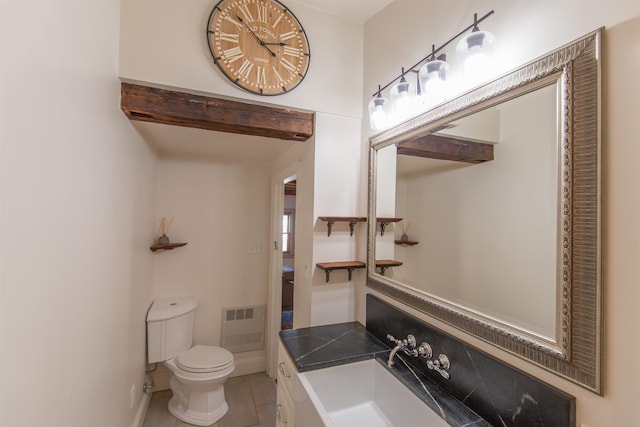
x,y
391,338
411,341
424,350
441,365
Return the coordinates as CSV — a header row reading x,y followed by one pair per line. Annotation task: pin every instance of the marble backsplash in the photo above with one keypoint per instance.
x,y
501,394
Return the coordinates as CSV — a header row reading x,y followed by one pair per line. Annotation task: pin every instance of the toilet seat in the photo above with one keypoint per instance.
x,y
204,358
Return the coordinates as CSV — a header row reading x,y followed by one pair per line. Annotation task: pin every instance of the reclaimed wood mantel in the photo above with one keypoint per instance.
x,y
171,107
447,148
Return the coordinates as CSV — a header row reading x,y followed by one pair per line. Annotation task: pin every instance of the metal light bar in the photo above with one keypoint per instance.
x,y
433,53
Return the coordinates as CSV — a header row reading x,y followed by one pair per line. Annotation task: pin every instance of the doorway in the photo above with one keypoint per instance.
x,y
288,253
282,282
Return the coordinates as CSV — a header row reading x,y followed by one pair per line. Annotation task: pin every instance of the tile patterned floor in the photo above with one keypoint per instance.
x,y
251,399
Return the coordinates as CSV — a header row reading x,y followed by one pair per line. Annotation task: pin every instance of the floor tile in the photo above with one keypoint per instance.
x,y
251,400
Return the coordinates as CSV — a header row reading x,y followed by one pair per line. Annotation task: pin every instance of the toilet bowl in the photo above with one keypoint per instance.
x,y
198,373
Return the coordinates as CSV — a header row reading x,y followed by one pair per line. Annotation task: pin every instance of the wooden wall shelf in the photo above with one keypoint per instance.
x,y
165,247
406,242
384,221
383,264
328,267
352,220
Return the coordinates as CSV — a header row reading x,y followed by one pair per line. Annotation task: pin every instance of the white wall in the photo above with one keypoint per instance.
x,y
526,30
164,42
76,220
171,50
336,186
221,208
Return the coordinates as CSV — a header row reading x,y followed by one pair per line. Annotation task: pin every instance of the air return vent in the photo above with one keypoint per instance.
x,y
243,328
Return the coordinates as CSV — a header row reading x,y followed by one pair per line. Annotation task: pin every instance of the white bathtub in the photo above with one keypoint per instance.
x,y
358,394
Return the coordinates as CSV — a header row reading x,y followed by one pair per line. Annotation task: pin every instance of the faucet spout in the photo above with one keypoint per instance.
x,y
390,362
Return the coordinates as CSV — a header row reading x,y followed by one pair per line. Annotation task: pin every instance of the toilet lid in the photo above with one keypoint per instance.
x,y
204,358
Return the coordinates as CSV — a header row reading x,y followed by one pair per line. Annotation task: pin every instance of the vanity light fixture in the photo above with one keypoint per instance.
x,y
473,49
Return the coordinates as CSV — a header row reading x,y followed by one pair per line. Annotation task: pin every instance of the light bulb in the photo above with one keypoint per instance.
x,y
403,97
474,50
432,77
379,113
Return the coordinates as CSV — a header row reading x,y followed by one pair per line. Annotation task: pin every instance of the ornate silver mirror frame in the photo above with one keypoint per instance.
x,y
578,66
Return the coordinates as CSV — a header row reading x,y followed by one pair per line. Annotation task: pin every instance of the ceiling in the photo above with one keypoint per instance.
x,y
183,141
355,10
171,140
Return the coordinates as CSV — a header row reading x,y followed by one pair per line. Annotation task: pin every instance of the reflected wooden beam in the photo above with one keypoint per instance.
x,y
447,148
171,107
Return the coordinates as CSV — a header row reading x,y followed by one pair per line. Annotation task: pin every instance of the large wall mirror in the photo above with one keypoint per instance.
x,y
495,204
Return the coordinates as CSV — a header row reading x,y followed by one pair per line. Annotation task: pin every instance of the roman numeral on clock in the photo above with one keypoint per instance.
x,y
233,54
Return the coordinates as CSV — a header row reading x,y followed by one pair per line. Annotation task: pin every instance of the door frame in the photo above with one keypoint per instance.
x,y
274,308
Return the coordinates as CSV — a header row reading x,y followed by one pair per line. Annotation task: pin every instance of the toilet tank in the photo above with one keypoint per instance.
x,y
169,328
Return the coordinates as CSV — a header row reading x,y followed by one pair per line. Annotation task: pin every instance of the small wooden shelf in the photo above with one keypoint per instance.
x,y
406,242
352,220
165,247
384,221
383,264
328,267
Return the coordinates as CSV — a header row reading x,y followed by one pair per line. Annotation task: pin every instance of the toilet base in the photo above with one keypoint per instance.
x,y
201,408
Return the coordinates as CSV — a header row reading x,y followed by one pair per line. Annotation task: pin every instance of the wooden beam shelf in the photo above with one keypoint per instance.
x,y
328,267
173,107
447,148
165,246
352,220
383,264
384,221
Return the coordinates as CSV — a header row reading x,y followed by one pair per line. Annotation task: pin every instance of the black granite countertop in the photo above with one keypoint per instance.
x,y
332,345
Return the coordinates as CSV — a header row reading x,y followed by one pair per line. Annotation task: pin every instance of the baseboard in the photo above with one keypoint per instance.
x,y
141,413
249,363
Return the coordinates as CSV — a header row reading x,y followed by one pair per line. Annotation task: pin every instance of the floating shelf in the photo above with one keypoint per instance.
x,y
165,247
352,220
386,221
328,267
406,242
383,264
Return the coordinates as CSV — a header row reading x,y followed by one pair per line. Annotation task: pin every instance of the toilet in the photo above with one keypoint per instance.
x,y
198,372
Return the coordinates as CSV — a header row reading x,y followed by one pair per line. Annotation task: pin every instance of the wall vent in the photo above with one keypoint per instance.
x,y
243,328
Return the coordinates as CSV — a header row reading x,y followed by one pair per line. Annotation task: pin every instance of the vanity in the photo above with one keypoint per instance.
x,y
334,374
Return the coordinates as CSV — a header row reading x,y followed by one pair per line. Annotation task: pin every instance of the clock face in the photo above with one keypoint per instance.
x,y
259,45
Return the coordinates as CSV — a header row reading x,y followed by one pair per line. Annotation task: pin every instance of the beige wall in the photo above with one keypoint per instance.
x,y
77,216
221,208
525,30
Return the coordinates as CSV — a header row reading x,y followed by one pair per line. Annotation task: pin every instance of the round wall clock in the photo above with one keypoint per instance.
x,y
259,45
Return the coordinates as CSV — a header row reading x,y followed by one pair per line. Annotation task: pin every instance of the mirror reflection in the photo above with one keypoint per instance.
x,y
483,236
493,206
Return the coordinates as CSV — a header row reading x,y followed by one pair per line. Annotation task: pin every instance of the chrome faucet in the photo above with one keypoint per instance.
x,y
408,347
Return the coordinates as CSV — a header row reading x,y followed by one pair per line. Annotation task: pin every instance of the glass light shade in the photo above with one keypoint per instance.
x,y
432,77
474,50
379,112
403,98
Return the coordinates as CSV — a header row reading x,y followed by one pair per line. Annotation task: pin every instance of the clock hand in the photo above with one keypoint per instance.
x,y
263,44
275,44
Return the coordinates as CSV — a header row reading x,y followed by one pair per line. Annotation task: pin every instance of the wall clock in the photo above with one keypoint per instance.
x,y
259,45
